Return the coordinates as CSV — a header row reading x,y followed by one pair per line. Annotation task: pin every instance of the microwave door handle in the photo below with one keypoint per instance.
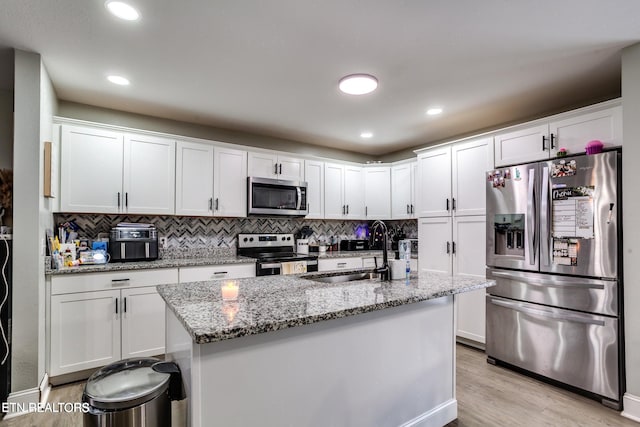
x,y
531,220
299,191
545,233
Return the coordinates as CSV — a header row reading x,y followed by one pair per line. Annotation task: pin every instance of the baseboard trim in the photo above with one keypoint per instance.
x,y
22,398
631,405
45,388
437,417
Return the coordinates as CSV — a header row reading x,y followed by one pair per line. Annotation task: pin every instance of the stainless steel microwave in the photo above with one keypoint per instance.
x,y
268,196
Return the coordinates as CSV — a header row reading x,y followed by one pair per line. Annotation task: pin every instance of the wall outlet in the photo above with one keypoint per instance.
x,y
162,241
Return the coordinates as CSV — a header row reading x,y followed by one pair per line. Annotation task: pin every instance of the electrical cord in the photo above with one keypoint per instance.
x,y
5,283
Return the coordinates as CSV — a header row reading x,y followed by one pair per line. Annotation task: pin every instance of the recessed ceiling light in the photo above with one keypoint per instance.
x,y
434,111
119,80
122,10
358,84
366,135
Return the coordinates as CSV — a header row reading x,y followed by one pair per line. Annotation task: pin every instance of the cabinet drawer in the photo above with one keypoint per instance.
x,y
339,263
228,271
370,262
71,283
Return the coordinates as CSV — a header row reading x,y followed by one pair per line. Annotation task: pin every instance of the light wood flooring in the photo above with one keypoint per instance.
x,y
487,396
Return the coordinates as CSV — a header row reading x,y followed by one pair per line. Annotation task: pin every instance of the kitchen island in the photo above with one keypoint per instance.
x,y
296,351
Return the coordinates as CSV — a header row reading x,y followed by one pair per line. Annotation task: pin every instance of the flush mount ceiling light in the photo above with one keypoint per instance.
x,y
122,10
366,135
434,111
118,80
358,84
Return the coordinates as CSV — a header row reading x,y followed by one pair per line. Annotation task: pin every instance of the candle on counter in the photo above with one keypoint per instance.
x,y
229,291
230,309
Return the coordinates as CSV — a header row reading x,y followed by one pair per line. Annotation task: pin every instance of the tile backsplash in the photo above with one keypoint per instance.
x,y
203,232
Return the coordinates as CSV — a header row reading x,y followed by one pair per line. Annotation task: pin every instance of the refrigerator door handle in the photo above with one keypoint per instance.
x,y
545,217
571,317
556,282
531,220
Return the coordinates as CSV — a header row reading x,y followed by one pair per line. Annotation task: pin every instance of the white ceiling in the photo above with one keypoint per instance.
x,y
272,67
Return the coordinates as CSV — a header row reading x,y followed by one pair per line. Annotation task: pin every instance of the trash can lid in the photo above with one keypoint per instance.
x,y
125,384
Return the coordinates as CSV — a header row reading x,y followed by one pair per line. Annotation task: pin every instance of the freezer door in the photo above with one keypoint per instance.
x,y
579,216
571,347
512,237
575,293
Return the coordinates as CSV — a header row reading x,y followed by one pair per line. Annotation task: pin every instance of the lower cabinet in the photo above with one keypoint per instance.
x,y
213,272
100,318
329,264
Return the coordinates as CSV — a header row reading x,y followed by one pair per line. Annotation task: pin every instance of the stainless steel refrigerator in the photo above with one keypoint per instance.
x,y
553,248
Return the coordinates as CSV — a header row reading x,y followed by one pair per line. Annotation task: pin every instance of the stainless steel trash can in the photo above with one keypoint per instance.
x,y
132,393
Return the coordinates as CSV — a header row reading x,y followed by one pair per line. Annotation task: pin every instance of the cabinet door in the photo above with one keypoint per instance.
x,y
522,146
339,263
435,244
230,182
470,162
469,234
262,165
149,175
194,179
314,175
414,191
85,331
434,183
377,194
143,312
401,189
91,170
574,133
333,191
354,192
290,168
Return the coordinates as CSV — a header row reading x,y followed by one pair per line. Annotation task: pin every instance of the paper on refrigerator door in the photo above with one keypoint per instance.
x,y
573,212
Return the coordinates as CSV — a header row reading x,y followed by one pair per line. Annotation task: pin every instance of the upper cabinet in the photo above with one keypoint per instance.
x,y
210,180
314,176
343,191
451,179
268,165
543,141
377,194
109,172
403,178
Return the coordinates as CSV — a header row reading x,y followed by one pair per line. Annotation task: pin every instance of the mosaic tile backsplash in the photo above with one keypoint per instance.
x,y
202,232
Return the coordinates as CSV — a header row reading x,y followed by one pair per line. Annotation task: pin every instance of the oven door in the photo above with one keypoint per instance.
x,y
277,197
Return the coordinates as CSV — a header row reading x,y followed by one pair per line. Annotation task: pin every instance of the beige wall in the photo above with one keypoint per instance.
x,y
138,121
631,226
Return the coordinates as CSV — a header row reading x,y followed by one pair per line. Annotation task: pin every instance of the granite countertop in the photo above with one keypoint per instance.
x,y
160,263
271,303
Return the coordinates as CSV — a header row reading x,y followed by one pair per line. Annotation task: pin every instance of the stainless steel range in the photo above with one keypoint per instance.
x,y
275,254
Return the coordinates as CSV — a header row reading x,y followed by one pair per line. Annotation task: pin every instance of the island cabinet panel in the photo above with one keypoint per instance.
x,y
85,331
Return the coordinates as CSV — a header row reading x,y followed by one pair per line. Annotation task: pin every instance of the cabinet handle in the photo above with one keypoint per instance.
x,y
447,205
453,204
544,139
124,308
453,248
217,203
347,209
220,272
366,210
308,207
118,200
553,137
119,281
116,305
343,209
342,264
126,199
412,210
448,247
280,172
211,204
408,211
275,172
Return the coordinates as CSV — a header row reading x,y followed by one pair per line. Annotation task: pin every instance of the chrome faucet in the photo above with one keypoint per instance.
x,y
384,270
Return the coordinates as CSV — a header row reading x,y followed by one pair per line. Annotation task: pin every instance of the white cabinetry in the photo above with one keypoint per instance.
x,y
328,264
230,182
343,191
213,272
451,179
403,178
543,141
377,194
435,244
269,165
314,176
108,172
99,318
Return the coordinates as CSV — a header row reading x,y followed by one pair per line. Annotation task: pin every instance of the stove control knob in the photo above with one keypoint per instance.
x,y
289,238
251,239
245,239
283,238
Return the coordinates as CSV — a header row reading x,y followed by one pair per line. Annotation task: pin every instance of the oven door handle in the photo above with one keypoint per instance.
x,y
271,265
299,191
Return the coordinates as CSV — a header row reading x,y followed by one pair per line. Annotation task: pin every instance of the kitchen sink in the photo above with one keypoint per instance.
x,y
349,277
